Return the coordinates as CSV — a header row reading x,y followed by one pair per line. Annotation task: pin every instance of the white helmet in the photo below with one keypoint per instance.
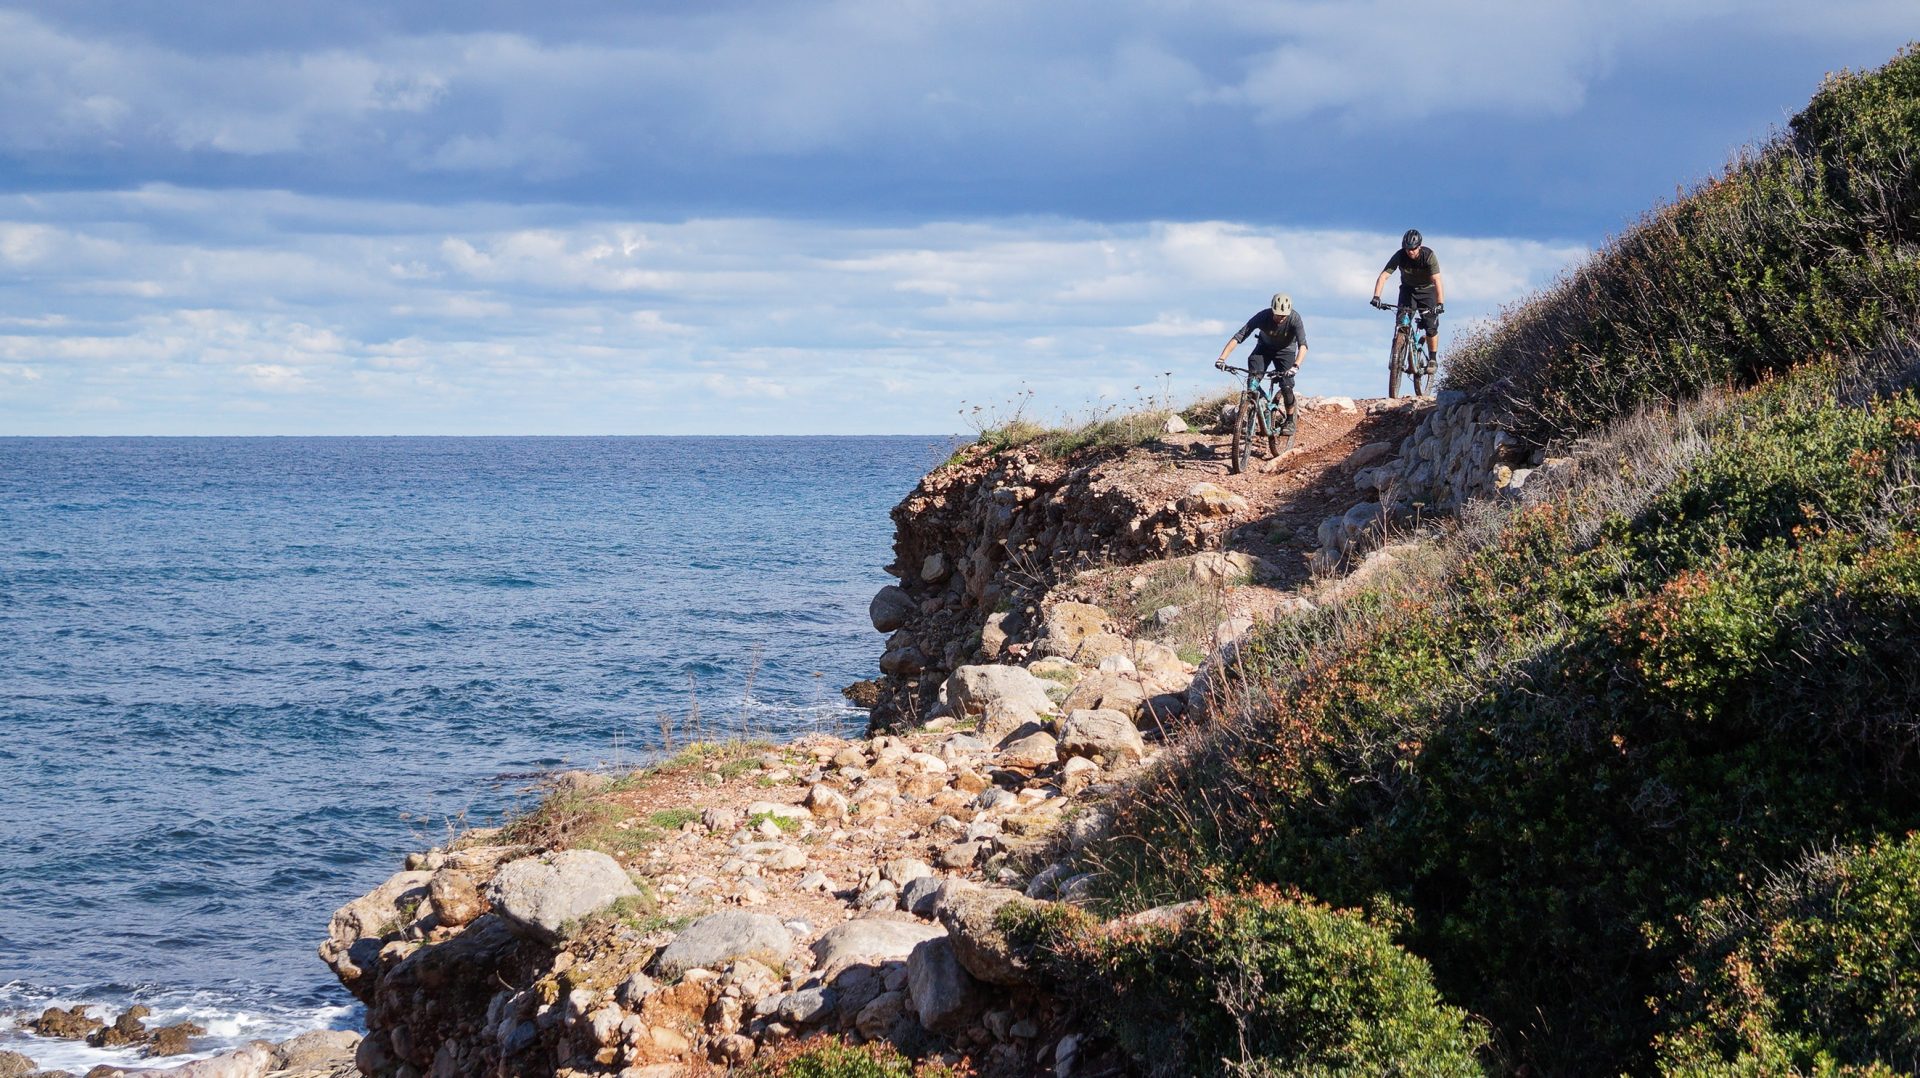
x,y
1282,304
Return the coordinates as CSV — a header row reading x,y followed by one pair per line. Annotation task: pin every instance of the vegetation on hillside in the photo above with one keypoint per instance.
x,y
1804,247
1634,766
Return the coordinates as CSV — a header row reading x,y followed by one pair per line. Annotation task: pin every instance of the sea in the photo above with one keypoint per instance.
x,y
241,678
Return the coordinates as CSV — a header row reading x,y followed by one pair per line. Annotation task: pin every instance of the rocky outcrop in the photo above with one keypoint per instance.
x,y
539,897
980,540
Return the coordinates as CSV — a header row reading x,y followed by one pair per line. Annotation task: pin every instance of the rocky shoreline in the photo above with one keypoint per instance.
x,y
1047,638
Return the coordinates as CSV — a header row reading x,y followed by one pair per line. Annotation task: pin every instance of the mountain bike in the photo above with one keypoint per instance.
x,y
1409,353
1258,417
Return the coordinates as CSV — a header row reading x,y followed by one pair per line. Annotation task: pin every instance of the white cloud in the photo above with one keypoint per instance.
x,y
508,326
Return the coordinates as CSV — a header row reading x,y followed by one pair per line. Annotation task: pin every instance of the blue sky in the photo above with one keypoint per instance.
x,y
598,217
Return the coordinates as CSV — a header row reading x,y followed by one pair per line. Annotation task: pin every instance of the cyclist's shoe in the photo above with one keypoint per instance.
x,y
1433,364
1287,425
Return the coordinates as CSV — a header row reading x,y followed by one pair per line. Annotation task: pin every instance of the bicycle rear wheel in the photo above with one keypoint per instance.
x,y
1397,359
1273,426
1241,450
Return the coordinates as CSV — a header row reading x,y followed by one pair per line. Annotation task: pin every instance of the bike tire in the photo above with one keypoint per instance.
x,y
1273,436
1419,383
1241,451
1395,360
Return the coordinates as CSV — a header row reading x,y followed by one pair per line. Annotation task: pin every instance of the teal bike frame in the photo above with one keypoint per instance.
x,y
1256,418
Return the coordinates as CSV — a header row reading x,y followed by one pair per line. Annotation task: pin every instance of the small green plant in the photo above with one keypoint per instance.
x,y
785,823
673,819
831,1057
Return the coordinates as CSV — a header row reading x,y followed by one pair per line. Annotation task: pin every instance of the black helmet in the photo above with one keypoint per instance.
x,y
1412,240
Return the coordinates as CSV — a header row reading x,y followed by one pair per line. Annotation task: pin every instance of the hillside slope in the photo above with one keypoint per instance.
x,y
1630,760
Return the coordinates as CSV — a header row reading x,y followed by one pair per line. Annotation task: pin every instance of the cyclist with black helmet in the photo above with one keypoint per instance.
x,y
1281,349
1420,285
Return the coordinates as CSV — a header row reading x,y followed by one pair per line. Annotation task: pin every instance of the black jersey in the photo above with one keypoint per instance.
x,y
1278,336
1416,271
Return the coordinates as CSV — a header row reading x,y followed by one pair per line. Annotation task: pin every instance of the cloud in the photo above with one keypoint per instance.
x,y
1260,111
513,319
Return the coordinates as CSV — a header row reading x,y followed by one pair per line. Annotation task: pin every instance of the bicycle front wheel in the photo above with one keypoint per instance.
x,y
1273,424
1396,361
1241,451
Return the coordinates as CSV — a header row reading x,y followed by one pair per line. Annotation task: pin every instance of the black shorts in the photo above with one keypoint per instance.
x,y
1282,365
1424,299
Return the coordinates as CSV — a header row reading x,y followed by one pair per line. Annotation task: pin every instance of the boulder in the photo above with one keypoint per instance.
x,y
13,1065
357,929
971,690
253,1061
1107,734
1066,626
1110,692
945,997
1100,647
1368,453
1219,569
904,870
539,897
890,609
1212,500
456,899
971,917
870,941
316,1050
1174,425
720,938
1034,749
935,568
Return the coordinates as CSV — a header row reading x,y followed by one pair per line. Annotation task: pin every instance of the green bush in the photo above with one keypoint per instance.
x,y
1263,983
1820,974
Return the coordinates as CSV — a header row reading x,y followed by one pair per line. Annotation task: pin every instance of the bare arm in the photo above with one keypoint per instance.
x,y
1381,282
1439,289
1299,357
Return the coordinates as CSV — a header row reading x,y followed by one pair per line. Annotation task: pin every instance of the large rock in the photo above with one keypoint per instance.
x,y
945,997
456,900
359,928
319,1049
891,608
13,1065
971,918
1107,734
973,689
870,940
253,1061
720,938
1067,626
1030,748
541,896
1109,692
1212,500
1219,569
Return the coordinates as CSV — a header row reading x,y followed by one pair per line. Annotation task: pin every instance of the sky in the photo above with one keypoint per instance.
x,y
222,217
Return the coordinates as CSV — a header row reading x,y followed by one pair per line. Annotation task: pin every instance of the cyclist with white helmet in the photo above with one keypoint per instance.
x,y
1420,285
1281,349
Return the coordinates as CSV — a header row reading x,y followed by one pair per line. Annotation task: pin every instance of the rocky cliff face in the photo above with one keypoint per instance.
x,y
979,543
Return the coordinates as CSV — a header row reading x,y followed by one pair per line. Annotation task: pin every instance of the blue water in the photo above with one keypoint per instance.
x,y
241,678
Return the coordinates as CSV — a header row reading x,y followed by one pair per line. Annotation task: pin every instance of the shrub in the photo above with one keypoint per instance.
x,y
1263,983
1819,974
